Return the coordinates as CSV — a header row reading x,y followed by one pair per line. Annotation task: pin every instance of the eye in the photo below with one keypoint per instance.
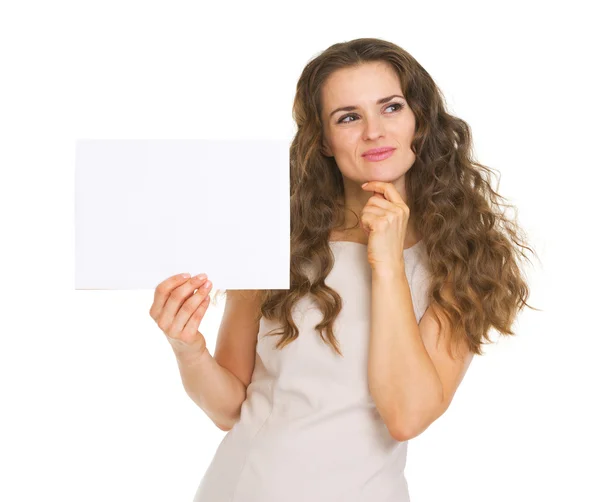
x,y
342,120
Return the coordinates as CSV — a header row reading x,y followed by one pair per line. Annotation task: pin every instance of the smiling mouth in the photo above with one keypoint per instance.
x,y
376,157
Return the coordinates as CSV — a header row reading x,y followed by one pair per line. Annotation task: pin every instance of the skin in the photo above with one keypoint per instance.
x,y
371,125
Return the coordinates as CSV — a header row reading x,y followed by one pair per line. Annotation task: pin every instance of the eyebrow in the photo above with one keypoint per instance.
x,y
379,102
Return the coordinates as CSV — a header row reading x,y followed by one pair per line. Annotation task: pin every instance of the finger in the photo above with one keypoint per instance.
x,y
383,187
162,292
365,222
188,308
178,296
379,201
370,215
376,211
191,327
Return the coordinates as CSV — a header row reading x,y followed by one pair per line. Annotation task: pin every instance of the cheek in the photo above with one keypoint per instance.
x,y
405,139
345,142
405,131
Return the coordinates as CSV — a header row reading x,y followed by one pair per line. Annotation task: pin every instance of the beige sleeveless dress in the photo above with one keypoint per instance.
x,y
309,430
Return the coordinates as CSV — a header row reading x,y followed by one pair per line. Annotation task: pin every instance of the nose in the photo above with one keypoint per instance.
x,y
373,128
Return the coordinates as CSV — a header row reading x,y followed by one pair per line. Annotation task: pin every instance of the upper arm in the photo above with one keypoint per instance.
x,y
236,341
451,370
436,340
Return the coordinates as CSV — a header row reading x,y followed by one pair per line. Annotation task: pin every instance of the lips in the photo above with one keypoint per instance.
x,y
379,156
376,151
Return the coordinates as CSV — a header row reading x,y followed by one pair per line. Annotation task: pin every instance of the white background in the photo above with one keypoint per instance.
x,y
93,406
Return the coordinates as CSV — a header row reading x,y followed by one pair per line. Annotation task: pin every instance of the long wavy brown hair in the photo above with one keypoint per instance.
x,y
474,248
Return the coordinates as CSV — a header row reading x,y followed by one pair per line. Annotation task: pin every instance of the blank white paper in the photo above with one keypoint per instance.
x,y
149,209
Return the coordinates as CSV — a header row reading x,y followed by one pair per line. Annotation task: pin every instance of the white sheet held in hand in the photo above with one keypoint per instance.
x,y
149,209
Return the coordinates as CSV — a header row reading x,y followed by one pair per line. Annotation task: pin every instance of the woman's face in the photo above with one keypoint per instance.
x,y
348,134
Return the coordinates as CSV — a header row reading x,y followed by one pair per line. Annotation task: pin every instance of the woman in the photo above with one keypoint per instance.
x,y
394,287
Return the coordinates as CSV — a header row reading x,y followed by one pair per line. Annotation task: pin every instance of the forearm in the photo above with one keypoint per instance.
x,y
217,391
403,380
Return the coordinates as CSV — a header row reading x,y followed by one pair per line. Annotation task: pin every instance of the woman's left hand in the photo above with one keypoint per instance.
x,y
385,219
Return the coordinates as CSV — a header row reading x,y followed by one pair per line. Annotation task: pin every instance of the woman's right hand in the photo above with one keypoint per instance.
x,y
178,311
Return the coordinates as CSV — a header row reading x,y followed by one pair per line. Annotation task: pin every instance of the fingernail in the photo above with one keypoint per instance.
x,y
207,284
